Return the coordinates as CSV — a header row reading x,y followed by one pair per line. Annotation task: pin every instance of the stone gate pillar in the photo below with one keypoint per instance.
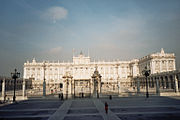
x,y
67,85
73,88
176,84
24,88
164,79
95,88
169,82
91,87
70,88
99,85
65,88
96,77
138,85
157,86
3,89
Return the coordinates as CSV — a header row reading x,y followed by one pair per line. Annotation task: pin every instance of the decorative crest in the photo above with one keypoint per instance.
x,y
162,51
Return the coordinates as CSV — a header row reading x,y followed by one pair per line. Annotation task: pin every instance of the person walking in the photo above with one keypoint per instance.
x,y
59,96
106,107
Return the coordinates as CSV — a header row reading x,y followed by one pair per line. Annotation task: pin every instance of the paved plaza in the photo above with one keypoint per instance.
x,y
122,108
38,109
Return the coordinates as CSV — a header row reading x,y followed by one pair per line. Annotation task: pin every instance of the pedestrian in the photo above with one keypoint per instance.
x,y
59,96
62,96
106,107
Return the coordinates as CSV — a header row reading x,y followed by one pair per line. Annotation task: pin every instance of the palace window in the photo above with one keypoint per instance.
x,y
123,70
170,61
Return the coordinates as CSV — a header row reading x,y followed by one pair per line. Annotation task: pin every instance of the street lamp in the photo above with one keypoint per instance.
x,y
14,76
44,81
146,73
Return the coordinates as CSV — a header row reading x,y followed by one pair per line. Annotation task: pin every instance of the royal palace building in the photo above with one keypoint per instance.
x,y
84,77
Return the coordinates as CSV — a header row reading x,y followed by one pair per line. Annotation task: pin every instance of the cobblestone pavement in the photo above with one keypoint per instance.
x,y
124,108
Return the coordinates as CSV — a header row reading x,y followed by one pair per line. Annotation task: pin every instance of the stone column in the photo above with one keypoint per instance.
x,y
174,65
176,84
160,65
138,85
44,80
70,88
24,88
64,87
67,85
153,67
95,88
73,82
119,87
152,80
157,86
164,79
169,82
3,89
91,87
99,86
178,80
167,66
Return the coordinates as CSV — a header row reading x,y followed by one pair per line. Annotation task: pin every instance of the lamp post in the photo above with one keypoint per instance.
x,y
146,73
14,76
44,81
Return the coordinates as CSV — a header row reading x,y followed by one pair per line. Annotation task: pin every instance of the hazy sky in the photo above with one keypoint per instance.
x,y
110,29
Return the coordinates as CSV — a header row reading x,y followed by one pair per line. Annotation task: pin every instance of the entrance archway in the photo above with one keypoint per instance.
x,y
82,88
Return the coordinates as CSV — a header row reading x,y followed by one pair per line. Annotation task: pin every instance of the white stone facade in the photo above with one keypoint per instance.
x,y
158,62
115,74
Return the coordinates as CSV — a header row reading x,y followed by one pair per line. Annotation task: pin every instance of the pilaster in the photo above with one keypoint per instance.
x,y
160,65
